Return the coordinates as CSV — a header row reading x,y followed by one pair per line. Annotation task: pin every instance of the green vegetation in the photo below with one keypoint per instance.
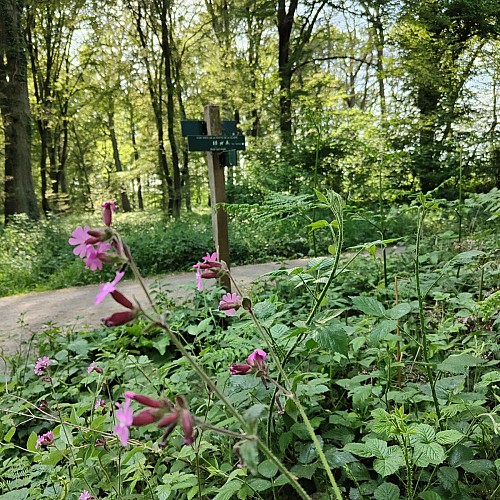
x,y
387,372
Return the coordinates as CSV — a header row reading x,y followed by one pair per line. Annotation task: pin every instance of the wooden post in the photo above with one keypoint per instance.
x,y
217,192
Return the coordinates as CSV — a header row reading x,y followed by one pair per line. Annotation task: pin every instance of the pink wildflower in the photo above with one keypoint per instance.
x,y
230,303
107,214
256,362
209,268
41,365
199,284
106,288
211,258
257,359
125,416
93,367
85,495
100,403
95,256
45,439
79,237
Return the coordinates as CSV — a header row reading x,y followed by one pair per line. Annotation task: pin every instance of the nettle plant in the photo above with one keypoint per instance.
x,y
319,390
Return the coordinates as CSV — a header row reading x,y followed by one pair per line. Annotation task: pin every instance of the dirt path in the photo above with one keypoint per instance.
x,y
24,315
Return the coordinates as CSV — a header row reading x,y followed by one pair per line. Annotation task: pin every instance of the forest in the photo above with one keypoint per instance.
x,y
372,159
348,95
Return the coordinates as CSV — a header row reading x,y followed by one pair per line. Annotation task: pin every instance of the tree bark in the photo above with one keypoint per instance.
x,y
167,59
285,25
14,107
116,156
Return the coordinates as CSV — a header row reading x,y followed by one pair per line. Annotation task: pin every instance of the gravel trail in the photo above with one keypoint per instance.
x,y
24,315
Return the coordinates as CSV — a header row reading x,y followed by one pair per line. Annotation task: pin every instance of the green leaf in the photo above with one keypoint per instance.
x,y
308,452
9,434
53,458
284,440
430,495
457,363
478,467
360,449
184,481
382,329
267,468
460,454
318,224
161,344
429,453
306,471
30,445
279,330
448,477
281,481
466,257
321,197
337,458
252,416
378,447
228,490
387,491
163,491
264,309
399,310
369,306
79,346
390,463
16,494
424,433
249,455
334,339
259,484
449,437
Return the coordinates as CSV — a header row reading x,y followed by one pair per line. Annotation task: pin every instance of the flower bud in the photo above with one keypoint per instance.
x,y
121,299
119,318
107,214
144,400
145,417
187,423
237,369
168,420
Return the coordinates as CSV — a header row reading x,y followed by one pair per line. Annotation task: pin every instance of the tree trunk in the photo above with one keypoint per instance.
x,y
185,176
285,25
14,107
167,59
140,201
155,95
116,156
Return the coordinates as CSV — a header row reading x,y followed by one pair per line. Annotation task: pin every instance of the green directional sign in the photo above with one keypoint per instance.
x,y
216,142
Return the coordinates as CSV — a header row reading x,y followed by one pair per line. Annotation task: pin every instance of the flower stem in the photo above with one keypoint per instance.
x,y
293,480
317,445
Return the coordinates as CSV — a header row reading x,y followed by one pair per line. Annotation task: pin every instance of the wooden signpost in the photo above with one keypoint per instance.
x,y
220,140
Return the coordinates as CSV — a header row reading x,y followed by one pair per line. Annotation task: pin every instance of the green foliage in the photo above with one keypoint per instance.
x,y
352,352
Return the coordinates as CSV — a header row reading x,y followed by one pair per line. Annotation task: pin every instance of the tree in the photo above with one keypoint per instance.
x,y
291,52
49,30
14,107
441,41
